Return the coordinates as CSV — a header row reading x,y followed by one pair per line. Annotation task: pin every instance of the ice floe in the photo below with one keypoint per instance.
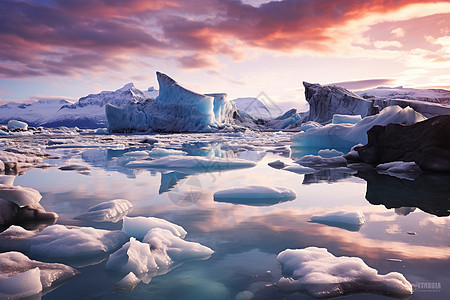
x,y
109,211
161,152
14,124
400,169
255,195
318,162
350,220
321,274
138,227
20,195
21,277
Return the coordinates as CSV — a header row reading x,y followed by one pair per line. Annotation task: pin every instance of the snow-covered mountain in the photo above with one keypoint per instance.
x,y
252,107
87,112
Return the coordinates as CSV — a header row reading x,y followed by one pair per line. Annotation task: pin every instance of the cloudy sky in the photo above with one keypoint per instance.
x,y
71,48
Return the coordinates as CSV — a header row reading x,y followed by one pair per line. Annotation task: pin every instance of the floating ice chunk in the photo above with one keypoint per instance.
x,y
21,277
136,154
161,152
3,132
109,211
350,220
135,257
12,157
310,124
14,124
164,241
20,195
83,169
198,163
255,195
138,227
300,169
400,169
318,162
101,131
328,153
129,282
58,241
345,119
348,135
321,274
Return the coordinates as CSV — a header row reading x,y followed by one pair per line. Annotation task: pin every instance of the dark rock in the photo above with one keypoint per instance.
x,y
430,192
426,143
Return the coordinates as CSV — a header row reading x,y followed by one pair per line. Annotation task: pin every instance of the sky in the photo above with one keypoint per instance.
x,y
72,48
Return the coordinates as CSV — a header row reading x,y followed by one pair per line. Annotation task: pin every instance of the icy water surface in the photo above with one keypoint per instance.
x,y
406,228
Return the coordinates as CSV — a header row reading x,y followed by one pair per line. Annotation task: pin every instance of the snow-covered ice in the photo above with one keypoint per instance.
x,y
255,195
21,277
345,119
129,282
328,153
138,227
350,220
109,211
196,163
300,169
319,162
140,153
348,135
321,274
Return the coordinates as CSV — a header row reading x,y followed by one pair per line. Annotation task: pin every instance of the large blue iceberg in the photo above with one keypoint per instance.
x,y
176,109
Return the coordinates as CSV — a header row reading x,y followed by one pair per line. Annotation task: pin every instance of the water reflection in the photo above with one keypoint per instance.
x,y
329,175
430,192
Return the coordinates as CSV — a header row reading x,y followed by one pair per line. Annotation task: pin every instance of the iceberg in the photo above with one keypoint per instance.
x,y
176,109
109,211
326,101
138,227
20,195
350,220
321,274
14,124
21,277
348,135
255,195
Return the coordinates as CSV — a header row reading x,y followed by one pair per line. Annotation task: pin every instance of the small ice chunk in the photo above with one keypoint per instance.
x,y
20,195
255,195
7,179
318,162
346,119
135,257
136,154
328,153
74,167
3,132
22,277
350,220
138,227
161,152
101,131
321,274
129,282
109,211
177,249
400,169
58,241
197,163
15,124
278,164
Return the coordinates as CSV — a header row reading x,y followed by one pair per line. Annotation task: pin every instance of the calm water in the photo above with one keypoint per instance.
x,y
246,239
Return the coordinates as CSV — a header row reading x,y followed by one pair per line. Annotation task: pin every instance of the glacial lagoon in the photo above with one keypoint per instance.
x,y
406,226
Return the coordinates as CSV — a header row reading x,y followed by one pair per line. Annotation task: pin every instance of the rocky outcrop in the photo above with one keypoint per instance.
x,y
426,143
325,101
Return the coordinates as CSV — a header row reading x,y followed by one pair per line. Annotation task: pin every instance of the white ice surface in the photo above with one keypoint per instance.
x,y
319,162
136,154
138,227
321,274
328,153
129,282
255,195
161,152
109,211
348,135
